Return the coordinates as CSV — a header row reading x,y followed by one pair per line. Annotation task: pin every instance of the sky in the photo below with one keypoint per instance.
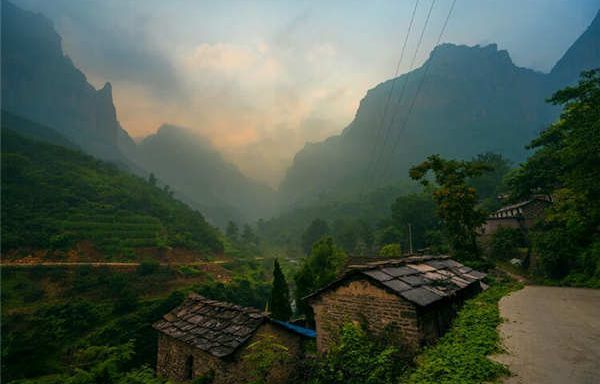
x,y
259,79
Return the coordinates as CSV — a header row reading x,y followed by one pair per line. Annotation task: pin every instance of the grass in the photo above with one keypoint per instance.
x,y
461,356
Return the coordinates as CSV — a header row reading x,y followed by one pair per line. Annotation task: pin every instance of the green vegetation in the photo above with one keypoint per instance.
x,y
93,324
506,243
319,269
358,358
565,165
279,303
456,201
53,198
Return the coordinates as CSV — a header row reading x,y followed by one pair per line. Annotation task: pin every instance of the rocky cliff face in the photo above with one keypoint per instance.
x,y
583,55
41,84
473,100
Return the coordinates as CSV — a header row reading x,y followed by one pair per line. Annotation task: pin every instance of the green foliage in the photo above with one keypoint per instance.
x,y
461,355
357,359
418,210
53,197
320,268
565,165
391,251
148,267
264,355
505,243
242,290
315,231
456,201
491,184
232,231
279,303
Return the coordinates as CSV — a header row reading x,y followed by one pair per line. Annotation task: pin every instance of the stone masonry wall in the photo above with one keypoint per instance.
x,y
172,356
362,302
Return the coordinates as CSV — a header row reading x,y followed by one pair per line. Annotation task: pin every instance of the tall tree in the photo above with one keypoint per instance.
x,y
279,303
456,201
321,267
566,165
232,231
315,231
248,236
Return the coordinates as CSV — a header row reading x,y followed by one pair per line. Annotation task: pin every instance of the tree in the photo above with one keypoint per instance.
x,y
315,231
565,166
456,202
232,231
152,180
490,185
248,236
320,268
279,303
418,210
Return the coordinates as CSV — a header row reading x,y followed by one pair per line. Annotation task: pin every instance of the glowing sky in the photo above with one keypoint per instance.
x,y
260,78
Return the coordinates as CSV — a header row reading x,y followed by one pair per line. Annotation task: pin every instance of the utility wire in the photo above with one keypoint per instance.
x,y
420,86
402,92
389,96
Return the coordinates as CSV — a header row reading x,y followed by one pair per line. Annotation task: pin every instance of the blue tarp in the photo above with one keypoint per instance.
x,y
295,328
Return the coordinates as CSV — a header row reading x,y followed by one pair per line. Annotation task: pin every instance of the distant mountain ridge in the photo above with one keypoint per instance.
x,y
189,163
473,100
41,85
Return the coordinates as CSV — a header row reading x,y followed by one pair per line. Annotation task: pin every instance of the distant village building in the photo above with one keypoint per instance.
x,y
411,300
205,337
521,216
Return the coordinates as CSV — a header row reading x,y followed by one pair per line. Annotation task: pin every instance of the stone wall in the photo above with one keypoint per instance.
x,y
238,368
362,302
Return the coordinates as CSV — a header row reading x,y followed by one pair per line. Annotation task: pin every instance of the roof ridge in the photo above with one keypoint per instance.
x,y
397,262
223,304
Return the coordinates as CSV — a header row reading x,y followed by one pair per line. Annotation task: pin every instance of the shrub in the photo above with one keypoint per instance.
x,y
358,358
390,251
506,242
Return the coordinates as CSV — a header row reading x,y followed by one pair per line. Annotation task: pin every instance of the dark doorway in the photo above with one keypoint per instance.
x,y
189,368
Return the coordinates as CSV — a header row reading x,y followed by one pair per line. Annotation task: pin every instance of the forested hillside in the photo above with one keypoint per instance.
x,y
54,198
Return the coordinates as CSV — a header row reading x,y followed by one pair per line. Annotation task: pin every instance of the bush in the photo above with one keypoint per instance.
x,y
390,251
358,358
506,242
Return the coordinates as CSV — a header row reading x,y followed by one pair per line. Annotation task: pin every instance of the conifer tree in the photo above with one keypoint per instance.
x,y
279,304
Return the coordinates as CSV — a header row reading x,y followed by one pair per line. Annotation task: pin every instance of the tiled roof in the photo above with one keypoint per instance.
x,y
516,210
212,326
422,280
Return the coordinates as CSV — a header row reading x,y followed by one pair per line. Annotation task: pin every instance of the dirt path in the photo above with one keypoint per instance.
x,y
552,335
107,263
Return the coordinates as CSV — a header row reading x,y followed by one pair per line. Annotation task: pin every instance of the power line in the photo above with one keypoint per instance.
x,y
420,86
402,92
389,96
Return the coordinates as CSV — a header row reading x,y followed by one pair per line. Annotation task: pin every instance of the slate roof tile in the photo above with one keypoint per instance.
x,y
420,279
215,327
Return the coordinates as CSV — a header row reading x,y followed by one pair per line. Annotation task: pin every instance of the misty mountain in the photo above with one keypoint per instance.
x,y
472,100
202,178
583,55
40,83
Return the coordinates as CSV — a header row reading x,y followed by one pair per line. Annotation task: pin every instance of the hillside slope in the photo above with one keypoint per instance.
x,y
54,198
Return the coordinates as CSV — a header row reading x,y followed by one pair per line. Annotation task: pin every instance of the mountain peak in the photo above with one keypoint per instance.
x,y
463,55
583,55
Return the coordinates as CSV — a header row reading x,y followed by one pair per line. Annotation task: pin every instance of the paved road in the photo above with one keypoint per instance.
x,y
552,335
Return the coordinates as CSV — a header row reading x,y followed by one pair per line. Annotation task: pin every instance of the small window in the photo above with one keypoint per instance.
x,y
189,368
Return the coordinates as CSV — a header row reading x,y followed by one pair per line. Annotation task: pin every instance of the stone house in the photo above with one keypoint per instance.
x,y
410,300
205,337
521,216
